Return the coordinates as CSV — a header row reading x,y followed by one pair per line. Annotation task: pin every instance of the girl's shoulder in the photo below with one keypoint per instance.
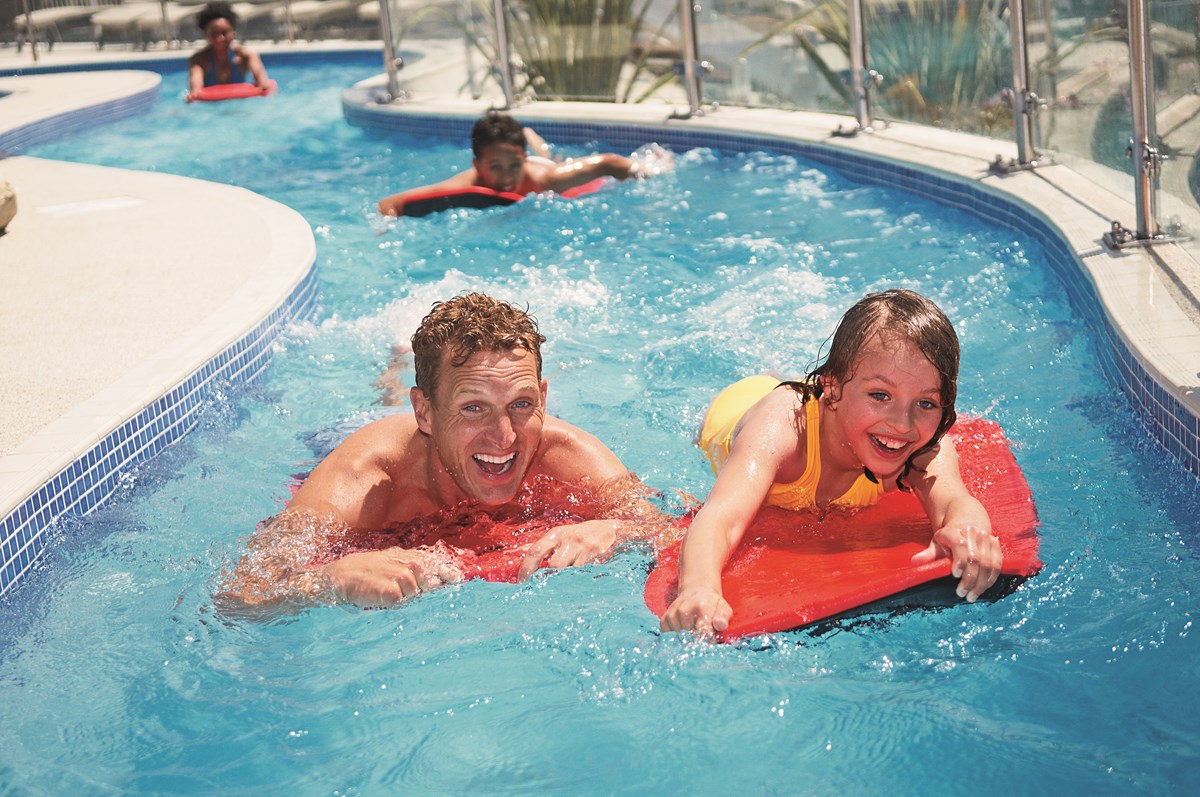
x,y
780,410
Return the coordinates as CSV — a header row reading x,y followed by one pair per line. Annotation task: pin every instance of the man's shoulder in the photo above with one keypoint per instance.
x,y
382,439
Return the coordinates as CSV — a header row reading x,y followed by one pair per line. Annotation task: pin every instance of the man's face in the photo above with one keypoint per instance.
x,y
500,166
486,422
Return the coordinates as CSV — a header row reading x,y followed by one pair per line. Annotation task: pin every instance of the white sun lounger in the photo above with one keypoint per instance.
x,y
306,15
138,21
48,18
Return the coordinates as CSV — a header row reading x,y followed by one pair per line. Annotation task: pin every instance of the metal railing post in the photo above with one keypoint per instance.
x,y
30,30
862,79
390,62
858,64
691,55
1147,159
1025,103
502,54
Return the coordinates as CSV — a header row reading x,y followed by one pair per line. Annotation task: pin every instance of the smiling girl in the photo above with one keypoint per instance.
x,y
869,419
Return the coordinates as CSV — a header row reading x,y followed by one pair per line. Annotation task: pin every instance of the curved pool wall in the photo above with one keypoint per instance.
x,y
1144,302
77,462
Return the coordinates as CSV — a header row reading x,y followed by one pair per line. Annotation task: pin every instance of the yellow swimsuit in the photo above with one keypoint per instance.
x,y
716,436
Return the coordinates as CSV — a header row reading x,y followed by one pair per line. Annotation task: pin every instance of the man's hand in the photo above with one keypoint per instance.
x,y
384,578
567,546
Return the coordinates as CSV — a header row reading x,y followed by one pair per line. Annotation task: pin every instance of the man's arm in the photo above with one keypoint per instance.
x,y
351,489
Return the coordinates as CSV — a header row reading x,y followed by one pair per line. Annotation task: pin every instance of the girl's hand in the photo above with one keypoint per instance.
x,y
976,557
701,610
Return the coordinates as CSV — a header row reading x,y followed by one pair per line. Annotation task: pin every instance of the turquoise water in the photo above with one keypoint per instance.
x,y
118,677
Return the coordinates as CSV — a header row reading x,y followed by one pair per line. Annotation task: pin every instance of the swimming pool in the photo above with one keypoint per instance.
x,y
117,676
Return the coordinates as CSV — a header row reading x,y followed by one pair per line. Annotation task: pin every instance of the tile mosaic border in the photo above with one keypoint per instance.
x,y
1171,422
95,476
64,124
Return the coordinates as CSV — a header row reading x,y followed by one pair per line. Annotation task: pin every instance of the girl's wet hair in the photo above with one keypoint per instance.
x,y
216,11
894,315
496,128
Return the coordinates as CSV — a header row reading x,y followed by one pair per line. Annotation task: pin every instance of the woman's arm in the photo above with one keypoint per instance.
x,y
252,63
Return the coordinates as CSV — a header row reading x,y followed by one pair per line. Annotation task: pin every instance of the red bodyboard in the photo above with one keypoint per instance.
x,y
476,197
231,91
793,569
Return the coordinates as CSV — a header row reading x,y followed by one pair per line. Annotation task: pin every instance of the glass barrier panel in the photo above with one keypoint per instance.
x,y
775,53
459,27
1174,36
595,50
945,63
1081,71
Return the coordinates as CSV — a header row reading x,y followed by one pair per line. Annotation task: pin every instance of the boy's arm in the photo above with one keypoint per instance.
x,y
962,529
537,145
394,204
578,171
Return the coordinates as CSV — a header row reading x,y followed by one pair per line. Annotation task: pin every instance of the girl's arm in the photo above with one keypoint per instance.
x,y
962,530
754,460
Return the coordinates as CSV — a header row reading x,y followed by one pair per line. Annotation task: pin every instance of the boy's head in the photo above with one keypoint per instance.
x,y
496,128
498,142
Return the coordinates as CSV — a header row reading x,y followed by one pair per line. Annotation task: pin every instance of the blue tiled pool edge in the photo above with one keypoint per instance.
x,y
95,476
1168,419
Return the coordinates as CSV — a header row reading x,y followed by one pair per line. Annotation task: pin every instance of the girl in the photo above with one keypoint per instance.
x,y
222,60
868,420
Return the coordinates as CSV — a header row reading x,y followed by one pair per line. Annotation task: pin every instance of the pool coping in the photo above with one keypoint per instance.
x,y
1144,302
90,237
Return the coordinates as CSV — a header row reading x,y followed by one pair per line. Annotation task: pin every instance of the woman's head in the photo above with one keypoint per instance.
x,y
895,317
217,11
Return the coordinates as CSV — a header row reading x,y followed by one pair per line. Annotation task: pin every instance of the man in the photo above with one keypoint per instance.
x,y
499,144
479,434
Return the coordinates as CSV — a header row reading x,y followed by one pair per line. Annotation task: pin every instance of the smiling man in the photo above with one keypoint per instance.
x,y
478,436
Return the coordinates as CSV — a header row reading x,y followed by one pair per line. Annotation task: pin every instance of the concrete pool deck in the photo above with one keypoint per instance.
x,y
102,310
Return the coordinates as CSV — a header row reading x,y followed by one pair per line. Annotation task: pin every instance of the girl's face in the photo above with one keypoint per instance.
x,y
889,407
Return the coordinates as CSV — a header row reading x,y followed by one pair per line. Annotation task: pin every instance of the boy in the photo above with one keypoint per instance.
x,y
499,143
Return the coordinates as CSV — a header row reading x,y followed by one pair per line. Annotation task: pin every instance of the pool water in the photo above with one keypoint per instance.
x,y
117,676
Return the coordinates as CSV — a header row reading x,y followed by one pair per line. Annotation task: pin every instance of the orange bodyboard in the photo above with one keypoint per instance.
x,y
793,569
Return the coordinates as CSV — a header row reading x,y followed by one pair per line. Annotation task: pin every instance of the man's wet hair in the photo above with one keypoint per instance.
x,y
466,325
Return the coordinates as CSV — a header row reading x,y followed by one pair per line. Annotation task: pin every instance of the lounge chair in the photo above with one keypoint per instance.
x,y
308,15
141,22
50,17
